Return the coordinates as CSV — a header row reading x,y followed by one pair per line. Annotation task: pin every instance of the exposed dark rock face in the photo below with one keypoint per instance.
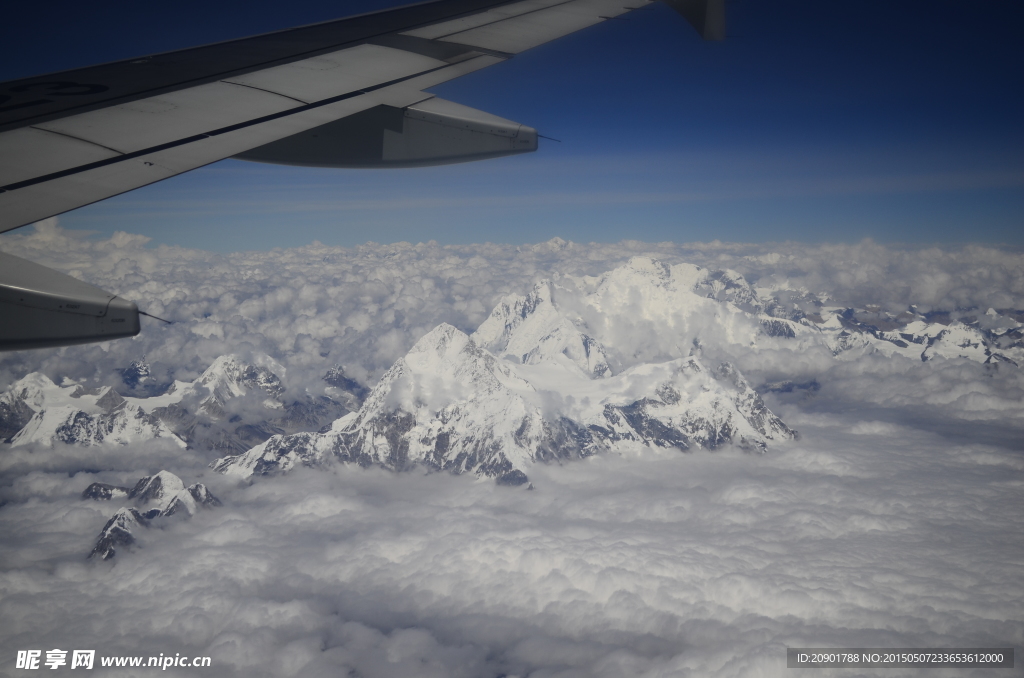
x,y
110,400
14,415
336,377
512,478
638,424
566,439
790,386
778,328
150,488
311,413
202,496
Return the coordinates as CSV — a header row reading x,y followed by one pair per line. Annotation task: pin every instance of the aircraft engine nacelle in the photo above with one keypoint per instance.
x,y
432,132
40,307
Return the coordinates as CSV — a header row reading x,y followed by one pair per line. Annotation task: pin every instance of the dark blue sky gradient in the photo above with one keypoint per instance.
x,y
814,121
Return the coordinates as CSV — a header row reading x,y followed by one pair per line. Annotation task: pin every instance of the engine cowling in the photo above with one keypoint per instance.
x,y
40,308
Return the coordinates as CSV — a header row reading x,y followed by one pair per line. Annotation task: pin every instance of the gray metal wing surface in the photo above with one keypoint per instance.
x,y
345,93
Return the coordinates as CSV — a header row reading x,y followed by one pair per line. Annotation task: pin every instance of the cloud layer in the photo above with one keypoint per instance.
x,y
891,522
862,534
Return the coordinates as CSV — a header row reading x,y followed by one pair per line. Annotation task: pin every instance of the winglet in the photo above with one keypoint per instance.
x,y
707,16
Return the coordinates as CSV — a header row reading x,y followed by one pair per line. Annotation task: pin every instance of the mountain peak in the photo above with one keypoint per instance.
x,y
158,488
532,330
136,373
230,376
649,268
118,532
535,381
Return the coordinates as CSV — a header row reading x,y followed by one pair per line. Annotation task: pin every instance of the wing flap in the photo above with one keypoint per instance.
x,y
430,79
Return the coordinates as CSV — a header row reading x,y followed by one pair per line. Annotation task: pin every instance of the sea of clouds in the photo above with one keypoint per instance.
x,y
894,521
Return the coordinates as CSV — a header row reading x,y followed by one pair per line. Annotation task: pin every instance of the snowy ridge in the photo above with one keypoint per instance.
x,y
72,415
922,340
232,405
228,377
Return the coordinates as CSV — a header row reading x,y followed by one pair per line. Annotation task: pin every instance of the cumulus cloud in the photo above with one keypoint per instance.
x,y
892,521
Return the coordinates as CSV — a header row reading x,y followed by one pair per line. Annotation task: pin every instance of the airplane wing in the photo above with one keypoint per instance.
x,y
345,93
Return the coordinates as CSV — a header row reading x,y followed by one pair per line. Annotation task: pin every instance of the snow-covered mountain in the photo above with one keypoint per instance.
x,y
642,312
447,404
138,377
157,496
15,410
451,405
344,389
572,368
642,354
987,337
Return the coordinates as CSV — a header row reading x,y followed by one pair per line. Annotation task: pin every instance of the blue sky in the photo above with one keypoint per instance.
x,y
814,122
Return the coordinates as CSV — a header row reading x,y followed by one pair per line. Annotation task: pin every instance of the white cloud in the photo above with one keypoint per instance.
x,y
657,564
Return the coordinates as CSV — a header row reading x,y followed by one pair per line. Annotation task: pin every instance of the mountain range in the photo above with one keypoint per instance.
x,y
636,356
641,355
